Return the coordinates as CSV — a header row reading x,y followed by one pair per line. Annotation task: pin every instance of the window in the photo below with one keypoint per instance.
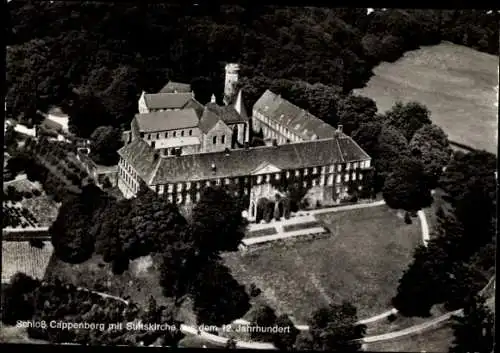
x,y
353,176
287,174
315,182
190,132
153,144
148,137
142,134
367,164
338,179
157,135
207,183
170,199
166,134
322,180
236,181
315,170
198,196
245,191
346,177
182,133
179,187
197,185
227,181
214,140
188,198
277,176
348,166
360,176
246,180
338,190
306,171
355,165
170,188
174,133
223,139
259,179
161,187
297,173
339,167
188,185
268,178
304,184
179,199
217,182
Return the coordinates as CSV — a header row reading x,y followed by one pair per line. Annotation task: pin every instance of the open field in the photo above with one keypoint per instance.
x,y
459,85
20,256
361,261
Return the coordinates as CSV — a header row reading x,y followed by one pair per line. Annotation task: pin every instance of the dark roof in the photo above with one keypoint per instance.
x,y
141,156
167,120
197,106
176,87
292,117
208,120
167,100
242,162
227,113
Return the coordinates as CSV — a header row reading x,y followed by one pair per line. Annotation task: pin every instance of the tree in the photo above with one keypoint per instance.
x,y
105,142
407,187
408,118
227,301
70,232
217,222
87,105
335,328
470,186
430,144
353,111
285,340
390,147
263,316
474,331
17,299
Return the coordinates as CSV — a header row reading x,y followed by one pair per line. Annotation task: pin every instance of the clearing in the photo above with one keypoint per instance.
x,y
459,85
360,261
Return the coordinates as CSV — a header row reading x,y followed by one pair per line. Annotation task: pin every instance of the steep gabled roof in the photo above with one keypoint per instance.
x,y
227,113
197,106
141,156
167,100
208,120
292,117
243,162
176,87
239,105
167,120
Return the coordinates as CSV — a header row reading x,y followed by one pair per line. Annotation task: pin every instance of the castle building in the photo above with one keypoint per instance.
x,y
178,151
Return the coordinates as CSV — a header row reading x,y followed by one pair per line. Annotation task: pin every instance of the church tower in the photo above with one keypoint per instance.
x,y
231,80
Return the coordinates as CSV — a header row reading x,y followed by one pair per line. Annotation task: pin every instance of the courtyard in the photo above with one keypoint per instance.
x,y
361,260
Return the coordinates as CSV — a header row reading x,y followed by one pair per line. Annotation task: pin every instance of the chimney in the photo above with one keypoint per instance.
x,y
212,99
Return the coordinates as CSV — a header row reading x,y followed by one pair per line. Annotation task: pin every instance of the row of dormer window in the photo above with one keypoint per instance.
x,y
222,139
167,134
323,180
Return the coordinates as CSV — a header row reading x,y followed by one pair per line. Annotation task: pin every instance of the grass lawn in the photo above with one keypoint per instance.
x,y
139,282
300,226
361,261
261,232
437,340
459,85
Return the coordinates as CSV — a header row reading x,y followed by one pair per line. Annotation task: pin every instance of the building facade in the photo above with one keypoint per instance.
x,y
177,152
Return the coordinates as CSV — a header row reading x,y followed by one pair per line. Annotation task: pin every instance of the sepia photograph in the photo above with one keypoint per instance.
x,y
237,175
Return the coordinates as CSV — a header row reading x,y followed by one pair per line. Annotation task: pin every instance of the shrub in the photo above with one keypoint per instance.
x,y
27,194
36,192
254,290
